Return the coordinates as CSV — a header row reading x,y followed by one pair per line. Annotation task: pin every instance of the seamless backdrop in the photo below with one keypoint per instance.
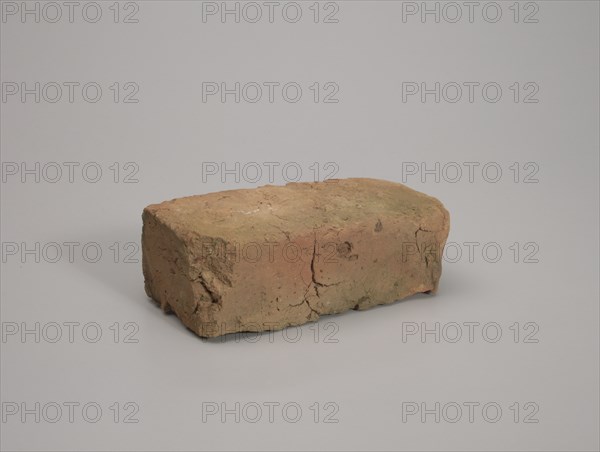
x,y
493,107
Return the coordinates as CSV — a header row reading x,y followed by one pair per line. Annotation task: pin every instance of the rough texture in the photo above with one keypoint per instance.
x,y
270,257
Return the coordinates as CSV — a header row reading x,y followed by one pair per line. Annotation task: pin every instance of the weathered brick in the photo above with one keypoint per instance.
x,y
270,257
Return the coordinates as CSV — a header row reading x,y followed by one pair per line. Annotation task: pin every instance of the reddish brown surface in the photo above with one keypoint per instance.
x,y
266,258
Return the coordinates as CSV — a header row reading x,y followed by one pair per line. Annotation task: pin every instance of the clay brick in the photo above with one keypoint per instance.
x,y
270,257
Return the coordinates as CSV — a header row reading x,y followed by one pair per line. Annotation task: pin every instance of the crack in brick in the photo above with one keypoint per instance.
x,y
312,267
416,236
214,297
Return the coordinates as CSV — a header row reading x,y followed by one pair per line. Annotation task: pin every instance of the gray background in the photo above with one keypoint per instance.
x,y
370,371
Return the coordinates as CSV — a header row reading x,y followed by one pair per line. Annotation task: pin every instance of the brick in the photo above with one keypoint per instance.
x,y
275,256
